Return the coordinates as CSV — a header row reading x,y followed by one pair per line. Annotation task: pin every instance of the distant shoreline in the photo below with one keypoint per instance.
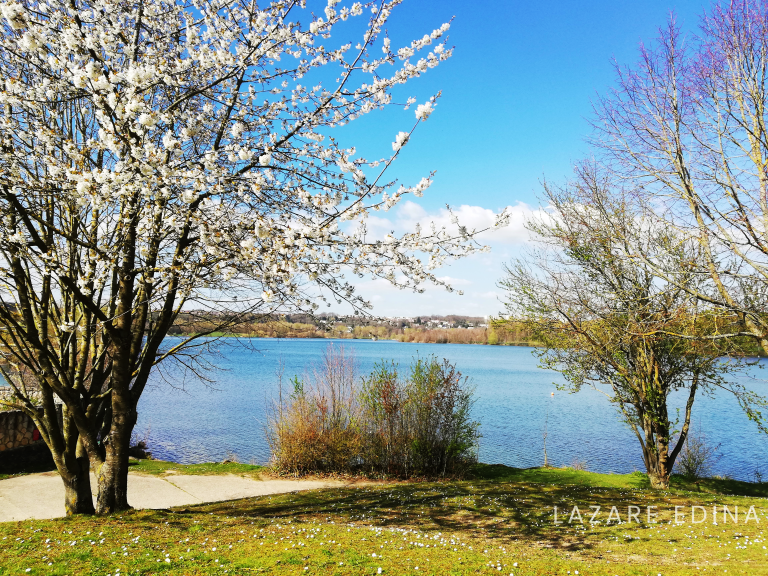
x,y
760,354
427,329
336,337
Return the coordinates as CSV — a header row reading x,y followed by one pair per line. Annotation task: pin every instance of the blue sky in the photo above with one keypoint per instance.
x,y
515,107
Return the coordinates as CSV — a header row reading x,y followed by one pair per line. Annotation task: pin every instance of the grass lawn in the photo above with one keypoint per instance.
x,y
162,468
153,467
499,522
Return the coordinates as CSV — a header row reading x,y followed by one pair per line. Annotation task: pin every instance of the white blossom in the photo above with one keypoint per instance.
x,y
31,41
189,196
424,110
15,14
400,140
237,129
17,238
148,120
215,156
423,184
169,141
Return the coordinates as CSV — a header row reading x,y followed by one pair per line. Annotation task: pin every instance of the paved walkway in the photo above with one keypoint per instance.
x,y
42,495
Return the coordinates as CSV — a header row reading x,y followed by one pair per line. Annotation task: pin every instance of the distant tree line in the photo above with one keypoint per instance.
x,y
452,329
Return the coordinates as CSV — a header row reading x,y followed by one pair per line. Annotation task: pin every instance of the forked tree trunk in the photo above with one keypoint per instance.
x,y
78,498
74,468
659,459
659,464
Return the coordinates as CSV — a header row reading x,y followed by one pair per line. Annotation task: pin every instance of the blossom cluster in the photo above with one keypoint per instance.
x,y
187,145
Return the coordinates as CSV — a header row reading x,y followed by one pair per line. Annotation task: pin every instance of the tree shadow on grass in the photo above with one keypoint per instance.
x,y
635,480
499,503
726,486
505,511
28,460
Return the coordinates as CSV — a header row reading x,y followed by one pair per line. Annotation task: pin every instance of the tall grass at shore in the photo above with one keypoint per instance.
x,y
314,427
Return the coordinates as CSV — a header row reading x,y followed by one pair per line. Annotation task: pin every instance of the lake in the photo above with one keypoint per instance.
x,y
189,421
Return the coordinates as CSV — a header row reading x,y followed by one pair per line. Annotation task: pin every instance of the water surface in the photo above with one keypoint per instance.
x,y
514,403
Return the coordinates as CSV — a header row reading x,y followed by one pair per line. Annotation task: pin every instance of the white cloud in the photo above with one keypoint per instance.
x,y
472,217
476,275
492,295
454,281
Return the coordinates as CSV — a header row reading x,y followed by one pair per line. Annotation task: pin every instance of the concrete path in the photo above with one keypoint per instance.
x,y
42,495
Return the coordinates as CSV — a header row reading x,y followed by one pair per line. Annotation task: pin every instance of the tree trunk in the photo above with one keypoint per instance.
x,y
659,480
660,467
72,463
113,473
78,498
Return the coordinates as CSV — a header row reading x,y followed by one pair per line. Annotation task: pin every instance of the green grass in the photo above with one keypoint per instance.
x,y
153,467
634,480
502,517
160,467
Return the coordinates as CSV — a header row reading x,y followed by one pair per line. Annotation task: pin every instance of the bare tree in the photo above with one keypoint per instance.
x,y
687,127
609,321
160,156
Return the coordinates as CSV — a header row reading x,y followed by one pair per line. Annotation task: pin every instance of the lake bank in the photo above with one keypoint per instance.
x,y
434,330
344,338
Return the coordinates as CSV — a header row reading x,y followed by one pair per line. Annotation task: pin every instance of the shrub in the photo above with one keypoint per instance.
x,y
443,439
382,424
420,425
315,429
697,457
577,464
139,445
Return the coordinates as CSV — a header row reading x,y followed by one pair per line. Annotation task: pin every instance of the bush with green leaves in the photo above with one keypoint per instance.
x,y
418,425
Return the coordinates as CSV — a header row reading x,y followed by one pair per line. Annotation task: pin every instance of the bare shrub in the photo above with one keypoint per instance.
x,y
315,428
383,398
697,457
139,445
577,464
